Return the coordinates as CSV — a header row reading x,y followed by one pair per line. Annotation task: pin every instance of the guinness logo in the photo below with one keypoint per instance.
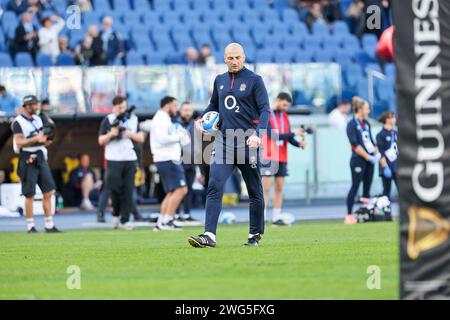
x,y
427,230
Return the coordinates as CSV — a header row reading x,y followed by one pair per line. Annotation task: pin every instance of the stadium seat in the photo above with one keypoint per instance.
x,y
340,27
389,70
65,60
269,16
283,56
43,60
155,58
121,5
351,43
369,44
323,56
298,28
280,29
331,43
291,42
134,58
8,18
159,31
141,5
161,5
150,18
132,17
220,5
101,5
272,41
5,60
289,16
163,43
170,17
303,56
91,18
320,29
142,43
374,66
264,56
200,5
259,31
259,4
181,5
201,38
343,57
222,40
230,18
24,59
251,17
311,42
190,17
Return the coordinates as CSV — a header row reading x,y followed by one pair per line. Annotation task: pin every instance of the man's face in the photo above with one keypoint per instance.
x,y
345,107
32,108
26,17
282,105
120,108
186,112
107,24
85,161
3,93
234,58
173,109
93,31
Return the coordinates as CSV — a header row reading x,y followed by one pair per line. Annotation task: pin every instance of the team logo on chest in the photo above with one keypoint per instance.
x,y
221,87
242,87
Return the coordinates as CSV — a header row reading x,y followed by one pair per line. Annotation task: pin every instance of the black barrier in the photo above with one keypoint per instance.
x,y
422,53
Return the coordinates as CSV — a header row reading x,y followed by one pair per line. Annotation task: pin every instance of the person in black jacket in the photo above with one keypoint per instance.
x,y
26,37
98,57
112,42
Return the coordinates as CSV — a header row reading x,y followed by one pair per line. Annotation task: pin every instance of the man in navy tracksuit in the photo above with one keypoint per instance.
x,y
241,99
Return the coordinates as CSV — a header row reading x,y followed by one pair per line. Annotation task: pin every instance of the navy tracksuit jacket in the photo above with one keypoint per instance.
x,y
242,102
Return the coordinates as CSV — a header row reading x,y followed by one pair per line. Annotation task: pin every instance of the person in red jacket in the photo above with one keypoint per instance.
x,y
275,156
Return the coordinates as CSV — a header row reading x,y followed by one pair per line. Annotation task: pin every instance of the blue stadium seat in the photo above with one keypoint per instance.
x,y
122,5
140,31
24,59
283,56
320,29
222,41
163,43
170,17
220,5
280,29
134,58
5,60
160,31
243,38
155,58
184,43
150,18
323,56
181,5
311,42
351,43
389,71
264,56
211,16
200,5
343,57
292,42
289,16
369,44
101,5
132,17
43,60
91,18
269,16
161,5
201,38
142,43
141,5
272,41
259,4
299,28
240,6
259,31
8,17
251,17
65,60
191,17
362,88
332,43
231,18
303,56
340,27
373,66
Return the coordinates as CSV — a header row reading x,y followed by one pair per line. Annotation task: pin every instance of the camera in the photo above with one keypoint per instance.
x,y
121,119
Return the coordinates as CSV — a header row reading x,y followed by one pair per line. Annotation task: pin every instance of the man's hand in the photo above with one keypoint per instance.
x,y
300,132
199,127
128,134
302,144
114,132
254,142
41,138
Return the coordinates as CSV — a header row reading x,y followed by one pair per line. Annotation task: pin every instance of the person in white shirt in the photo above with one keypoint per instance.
x,y
166,141
338,118
48,36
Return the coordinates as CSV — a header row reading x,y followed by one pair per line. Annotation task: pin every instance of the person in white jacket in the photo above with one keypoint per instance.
x,y
166,141
48,36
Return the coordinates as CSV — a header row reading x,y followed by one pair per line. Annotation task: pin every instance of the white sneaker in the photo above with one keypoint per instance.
x,y
115,222
86,204
126,226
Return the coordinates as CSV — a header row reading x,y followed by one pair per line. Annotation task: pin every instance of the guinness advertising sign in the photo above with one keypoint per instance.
x,y
422,54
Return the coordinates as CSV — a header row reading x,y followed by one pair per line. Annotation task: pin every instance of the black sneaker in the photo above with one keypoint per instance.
x,y
253,241
190,219
172,226
279,223
101,217
52,230
138,218
32,230
202,241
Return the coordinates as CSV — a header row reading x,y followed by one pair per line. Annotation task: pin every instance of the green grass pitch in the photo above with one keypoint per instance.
x,y
310,260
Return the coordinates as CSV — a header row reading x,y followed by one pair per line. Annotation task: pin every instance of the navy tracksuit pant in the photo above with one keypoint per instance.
x,y
362,171
219,173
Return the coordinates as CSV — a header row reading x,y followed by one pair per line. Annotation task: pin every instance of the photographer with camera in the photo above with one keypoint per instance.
x,y
118,134
30,142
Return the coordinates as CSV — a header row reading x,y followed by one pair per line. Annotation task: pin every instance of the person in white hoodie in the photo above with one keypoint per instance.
x,y
166,141
48,36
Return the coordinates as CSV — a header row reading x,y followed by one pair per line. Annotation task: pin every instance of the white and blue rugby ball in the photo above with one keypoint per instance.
x,y
210,122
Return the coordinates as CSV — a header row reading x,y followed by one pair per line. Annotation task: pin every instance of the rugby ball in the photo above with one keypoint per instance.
x,y
288,218
228,218
210,122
